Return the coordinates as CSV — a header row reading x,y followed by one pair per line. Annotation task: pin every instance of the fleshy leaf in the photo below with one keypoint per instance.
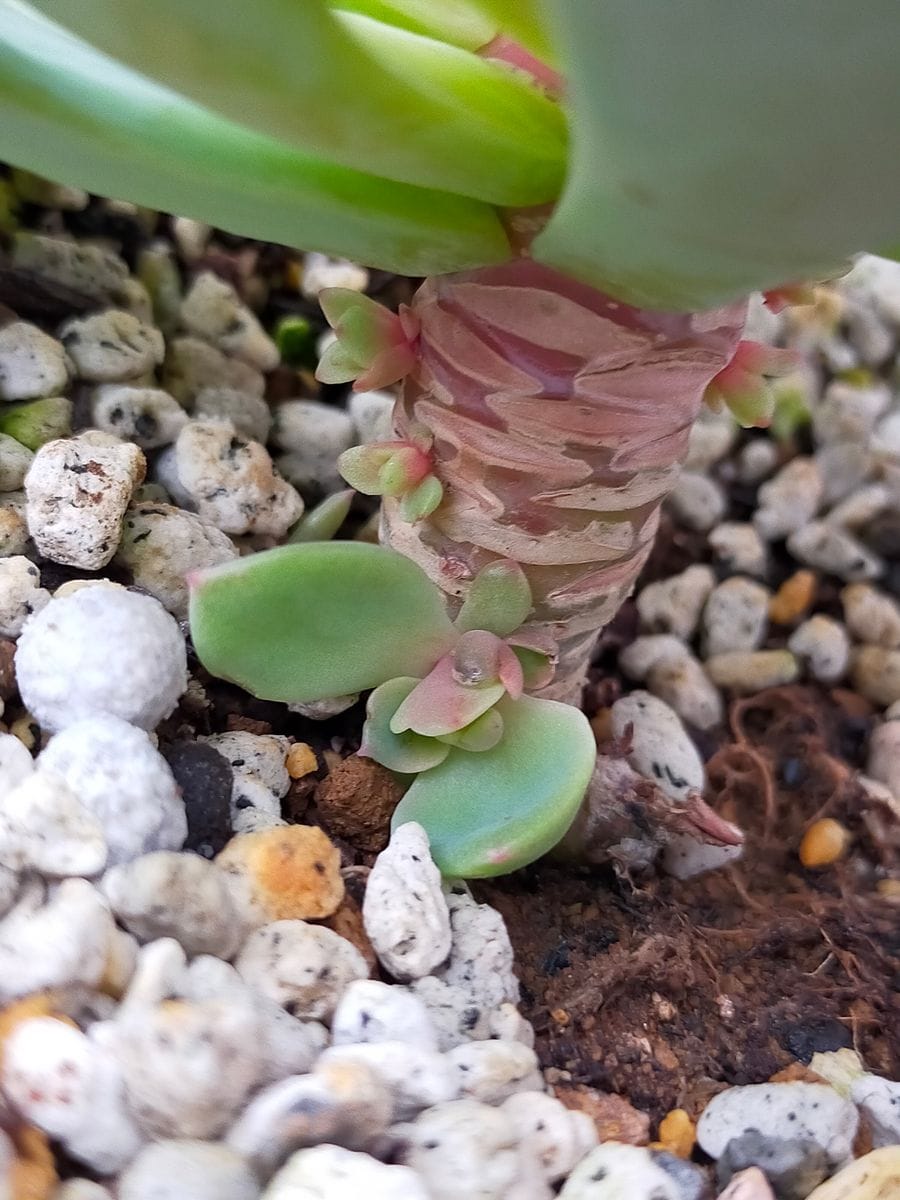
x,y
374,346
483,734
321,523
454,21
422,501
385,468
743,384
499,599
405,752
490,813
441,704
538,655
308,622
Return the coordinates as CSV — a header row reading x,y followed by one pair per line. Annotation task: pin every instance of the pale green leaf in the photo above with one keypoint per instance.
x,y
499,599
405,752
321,523
459,22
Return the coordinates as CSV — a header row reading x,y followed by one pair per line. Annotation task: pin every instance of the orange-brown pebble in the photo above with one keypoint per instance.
x,y
601,724
797,1072
347,922
793,598
38,1004
889,889
357,801
289,872
823,843
615,1118
677,1134
301,760
32,1175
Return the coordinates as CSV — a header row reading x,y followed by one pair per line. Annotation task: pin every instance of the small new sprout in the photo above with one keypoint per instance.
x,y
743,386
400,468
373,346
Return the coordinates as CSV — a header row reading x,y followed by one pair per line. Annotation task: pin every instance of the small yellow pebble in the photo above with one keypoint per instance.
x,y
677,1133
889,889
875,1176
823,843
26,730
793,598
301,760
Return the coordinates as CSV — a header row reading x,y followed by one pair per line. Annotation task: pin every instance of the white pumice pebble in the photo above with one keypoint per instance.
x,y
344,1103
757,460
827,547
228,480
685,687
147,416
661,749
712,436
560,1137
885,442
161,544
674,605
508,1025
44,827
185,1168
320,271
481,954
821,643
123,781
16,763
312,436
323,710
306,968
844,468
490,1071
372,415
789,500
872,616
101,651
747,671
32,364
639,657
849,413
697,501
883,762
184,896
54,941
21,593
83,267
878,1099
253,806
192,365
463,1150
684,856
259,755
455,1016
615,1171
249,414
212,310
807,1110
67,1085
77,490
110,346
15,459
82,1189
9,889
404,911
191,238
736,616
372,1011
332,1173
738,546
861,506
876,673
415,1078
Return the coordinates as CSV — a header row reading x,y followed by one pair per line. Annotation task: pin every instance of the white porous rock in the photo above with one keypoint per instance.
x,y
812,1111
372,1011
481,954
228,480
83,267
827,547
54,942
64,1083
188,1066
491,1071
697,501
32,364
455,1016
324,710
885,443
685,687
101,651
404,910
192,365
738,546
162,543
821,643
249,414
147,416
747,671
123,781
876,673
345,1103
508,1024
21,593
213,310
674,605
253,805
661,749
320,271
184,896
883,763
615,1171
372,414
185,1168
82,1189
712,436
191,237
872,616
560,1136
844,468
44,827
305,968
684,856
789,500
15,459
312,435
136,299
13,526
262,756
16,764
861,506
736,616
757,460
879,1101
333,1173
111,346
77,491
639,658
848,412
414,1078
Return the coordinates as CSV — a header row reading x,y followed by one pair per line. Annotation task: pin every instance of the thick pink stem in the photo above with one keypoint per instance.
x,y
559,417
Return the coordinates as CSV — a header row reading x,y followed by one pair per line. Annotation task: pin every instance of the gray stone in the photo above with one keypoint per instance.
x,y
793,1166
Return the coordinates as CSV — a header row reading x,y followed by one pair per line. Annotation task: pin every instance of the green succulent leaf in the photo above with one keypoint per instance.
x,y
440,704
457,22
69,112
490,813
720,147
308,622
408,753
422,501
483,734
526,22
321,523
499,599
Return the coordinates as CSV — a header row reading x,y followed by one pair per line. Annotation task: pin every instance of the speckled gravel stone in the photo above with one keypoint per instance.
x,y
111,346
182,1169
192,365
146,416
212,309
21,593
332,1173
32,364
